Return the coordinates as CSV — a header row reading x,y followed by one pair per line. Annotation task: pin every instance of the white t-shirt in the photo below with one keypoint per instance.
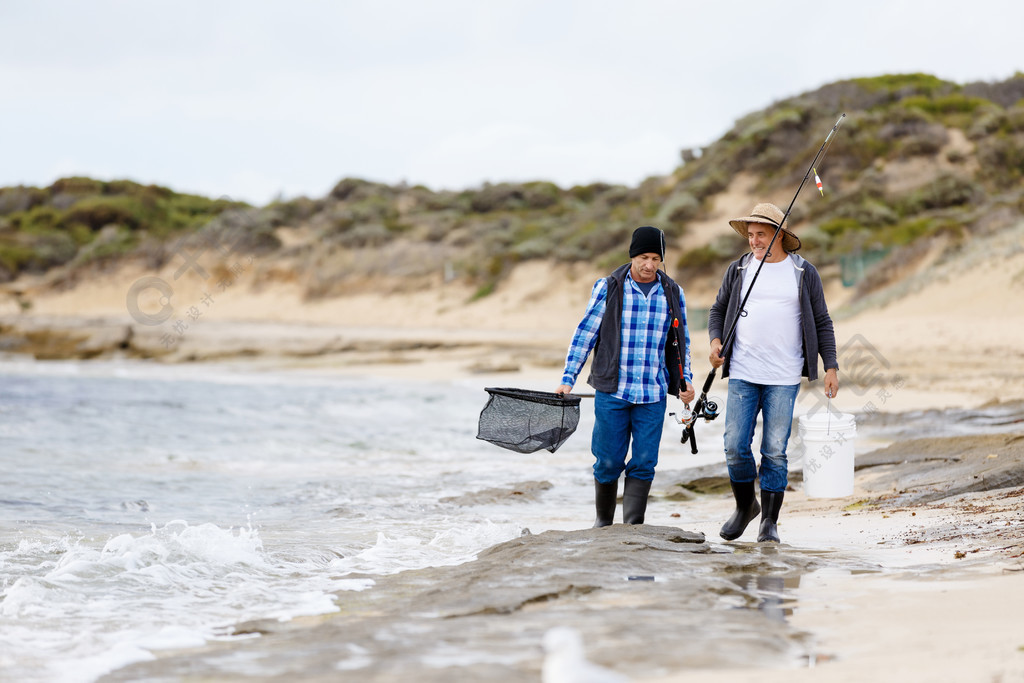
x,y
769,344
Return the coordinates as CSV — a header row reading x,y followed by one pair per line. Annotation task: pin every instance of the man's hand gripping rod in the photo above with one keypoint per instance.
x,y
702,408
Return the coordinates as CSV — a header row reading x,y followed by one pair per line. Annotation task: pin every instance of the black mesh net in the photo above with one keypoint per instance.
x,y
526,421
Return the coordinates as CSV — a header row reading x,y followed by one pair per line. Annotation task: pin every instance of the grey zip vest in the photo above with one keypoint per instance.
x,y
604,369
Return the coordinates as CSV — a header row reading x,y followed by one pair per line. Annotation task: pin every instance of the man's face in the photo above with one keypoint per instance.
x,y
759,236
644,267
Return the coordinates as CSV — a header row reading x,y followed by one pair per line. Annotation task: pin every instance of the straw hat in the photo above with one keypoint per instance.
x,y
768,214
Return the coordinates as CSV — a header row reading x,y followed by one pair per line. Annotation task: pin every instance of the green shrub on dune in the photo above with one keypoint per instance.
x,y
55,224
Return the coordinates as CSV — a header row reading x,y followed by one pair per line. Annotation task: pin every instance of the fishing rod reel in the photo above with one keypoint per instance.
x,y
706,408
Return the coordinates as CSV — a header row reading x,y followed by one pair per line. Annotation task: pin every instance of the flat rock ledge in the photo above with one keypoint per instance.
x,y
647,600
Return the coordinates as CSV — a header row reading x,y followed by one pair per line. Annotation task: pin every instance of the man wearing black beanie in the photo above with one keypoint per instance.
x,y
635,325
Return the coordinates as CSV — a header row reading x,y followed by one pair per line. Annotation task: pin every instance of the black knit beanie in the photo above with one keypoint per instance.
x,y
647,240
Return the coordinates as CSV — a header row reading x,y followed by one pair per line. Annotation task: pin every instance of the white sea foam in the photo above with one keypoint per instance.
x,y
391,554
97,608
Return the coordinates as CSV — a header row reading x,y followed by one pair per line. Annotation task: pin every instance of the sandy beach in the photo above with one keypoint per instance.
x,y
946,332
942,609
947,584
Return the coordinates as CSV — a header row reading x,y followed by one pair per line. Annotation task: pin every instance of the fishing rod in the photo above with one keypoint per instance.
x,y
709,409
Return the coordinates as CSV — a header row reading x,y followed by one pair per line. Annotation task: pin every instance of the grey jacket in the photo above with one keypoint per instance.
x,y
819,338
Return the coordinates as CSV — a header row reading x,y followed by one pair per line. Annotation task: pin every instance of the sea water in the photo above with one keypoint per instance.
x,y
146,507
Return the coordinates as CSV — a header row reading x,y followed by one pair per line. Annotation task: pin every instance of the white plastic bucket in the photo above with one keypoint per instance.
x,y
828,454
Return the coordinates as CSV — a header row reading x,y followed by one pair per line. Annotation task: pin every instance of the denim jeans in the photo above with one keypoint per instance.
x,y
615,422
775,403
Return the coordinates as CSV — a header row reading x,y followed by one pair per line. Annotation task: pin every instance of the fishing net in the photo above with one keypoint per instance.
x,y
526,421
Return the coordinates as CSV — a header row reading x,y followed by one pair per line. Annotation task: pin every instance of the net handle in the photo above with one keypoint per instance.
x,y
504,391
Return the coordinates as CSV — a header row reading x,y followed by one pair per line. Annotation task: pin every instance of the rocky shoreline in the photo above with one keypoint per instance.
x,y
46,338
646,589
657,602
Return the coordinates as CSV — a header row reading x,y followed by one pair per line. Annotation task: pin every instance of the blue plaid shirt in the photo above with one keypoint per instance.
x,y
646,322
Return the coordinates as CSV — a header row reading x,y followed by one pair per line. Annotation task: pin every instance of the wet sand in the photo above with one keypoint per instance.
x,y
938,599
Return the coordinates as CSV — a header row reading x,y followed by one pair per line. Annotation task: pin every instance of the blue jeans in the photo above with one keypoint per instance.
x,y
775,403
615,422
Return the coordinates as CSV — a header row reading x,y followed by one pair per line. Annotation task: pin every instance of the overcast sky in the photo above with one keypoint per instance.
x,y
260,99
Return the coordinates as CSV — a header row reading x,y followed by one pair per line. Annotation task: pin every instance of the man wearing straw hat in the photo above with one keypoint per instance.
x,y
635,324
782,329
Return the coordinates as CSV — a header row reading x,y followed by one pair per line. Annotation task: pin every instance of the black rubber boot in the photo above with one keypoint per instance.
x,y
634,500
771,503
604,501
746,510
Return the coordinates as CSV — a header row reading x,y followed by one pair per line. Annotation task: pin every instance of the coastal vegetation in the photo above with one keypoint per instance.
x,y
919,162
81,221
